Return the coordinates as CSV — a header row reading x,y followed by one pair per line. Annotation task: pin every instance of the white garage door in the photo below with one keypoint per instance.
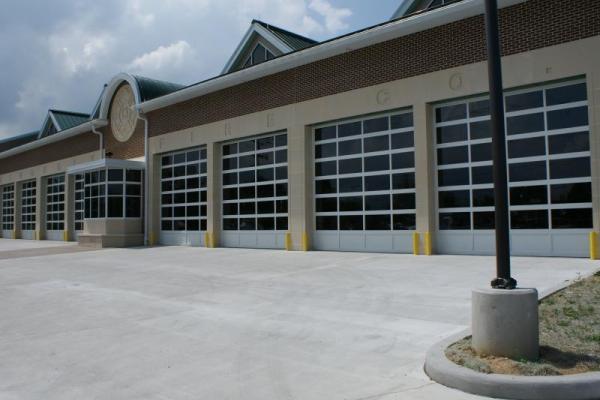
x,y
365,184
548,150
8,211
183,197
255,192
55,207
28,208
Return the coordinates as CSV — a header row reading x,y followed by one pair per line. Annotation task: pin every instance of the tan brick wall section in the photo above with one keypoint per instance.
x,y
526,26
80,144
133,148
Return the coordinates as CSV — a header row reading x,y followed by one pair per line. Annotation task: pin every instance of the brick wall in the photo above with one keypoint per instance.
x,y
80,144
524,27
133,148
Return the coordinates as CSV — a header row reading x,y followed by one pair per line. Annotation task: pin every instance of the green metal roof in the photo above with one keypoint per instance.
x,y
30,136
293,40
152,88
69,119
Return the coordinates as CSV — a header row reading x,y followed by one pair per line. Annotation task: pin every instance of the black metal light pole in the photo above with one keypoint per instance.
x,y
503,277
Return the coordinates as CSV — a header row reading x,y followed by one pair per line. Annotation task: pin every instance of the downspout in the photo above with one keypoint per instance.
x,y
101,140
141,116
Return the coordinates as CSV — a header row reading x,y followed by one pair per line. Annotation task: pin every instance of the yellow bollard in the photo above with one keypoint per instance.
x,y
304,241
207,240
428,249
594,245
416,243
288,241
65,236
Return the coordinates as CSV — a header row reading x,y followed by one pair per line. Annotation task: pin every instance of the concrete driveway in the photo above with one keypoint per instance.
x,y
190,323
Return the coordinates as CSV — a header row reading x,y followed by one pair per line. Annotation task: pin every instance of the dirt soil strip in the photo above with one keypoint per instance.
x,y
45,251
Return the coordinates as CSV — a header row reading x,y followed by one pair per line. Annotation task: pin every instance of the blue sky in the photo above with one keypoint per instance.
x,y
59,53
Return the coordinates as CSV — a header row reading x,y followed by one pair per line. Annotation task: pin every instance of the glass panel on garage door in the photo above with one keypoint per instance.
x,y
255,192
183,197
365,184
28,208
550,190
8,211
79,209
55,207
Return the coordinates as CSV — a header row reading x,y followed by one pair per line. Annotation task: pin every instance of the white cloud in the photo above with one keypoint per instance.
x,y
334,17
163,57
77,50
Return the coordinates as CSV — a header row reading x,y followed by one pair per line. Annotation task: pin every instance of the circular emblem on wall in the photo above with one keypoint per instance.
x,y
123,116
456,81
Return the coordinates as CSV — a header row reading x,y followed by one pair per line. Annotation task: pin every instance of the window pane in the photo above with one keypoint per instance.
x,y
569,118
403,140
481,130
115,175
326,223
265,175
377,143
353,203
376,125
569,143
525,101
246,146
325,168
482,175
378,222
378,163
404,222
351,222
230,224
248,176
454,133
350,129
528,195
572,219
461,220
350,166
479,108
483,198
326,133
535,219
405,201
527,171
247,224
402,120
453,177
328,204
403,160
350,147
349,185
570,168
451,113
326,186
484,220
375,203
481,152
525,124
325,150
403,181
453,155
527,147
247,208
454,199
571,193
566,94
132,207
378,182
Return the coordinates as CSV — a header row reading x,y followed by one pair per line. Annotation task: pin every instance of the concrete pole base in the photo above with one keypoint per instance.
x,y
505,323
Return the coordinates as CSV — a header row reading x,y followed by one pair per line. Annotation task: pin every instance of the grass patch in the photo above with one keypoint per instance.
x,y
569,337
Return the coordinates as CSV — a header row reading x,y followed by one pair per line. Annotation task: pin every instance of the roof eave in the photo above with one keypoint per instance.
x,y
381,33
67,133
